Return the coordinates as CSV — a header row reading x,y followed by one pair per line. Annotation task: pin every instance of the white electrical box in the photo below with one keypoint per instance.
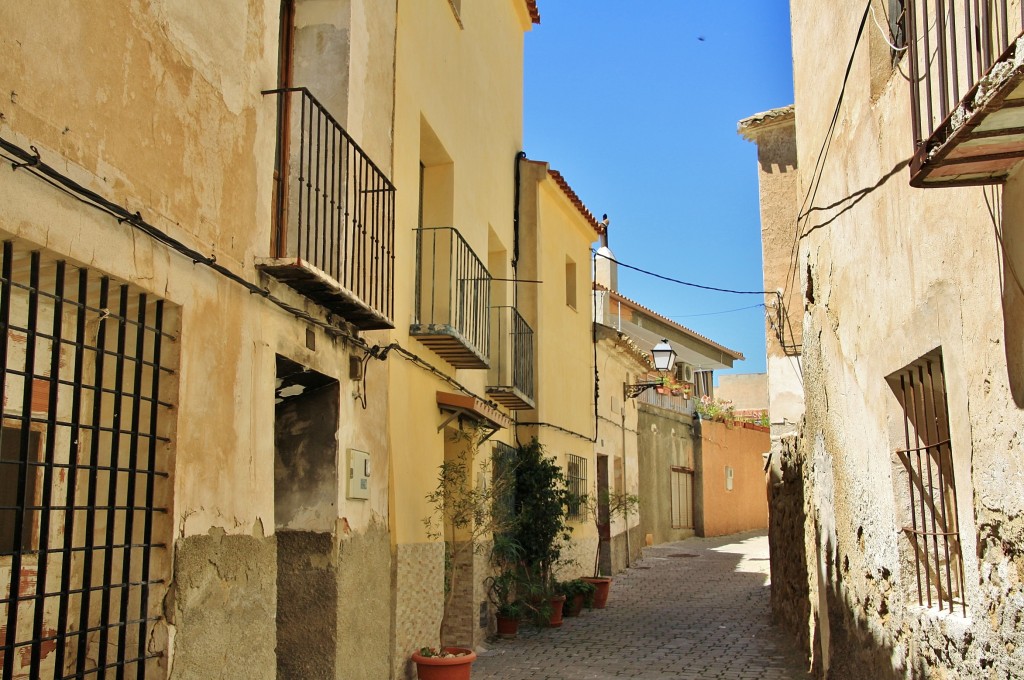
x,y
358,474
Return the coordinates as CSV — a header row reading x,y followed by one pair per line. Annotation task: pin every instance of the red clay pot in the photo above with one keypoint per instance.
x,y
436,668
507,627
603,585
557,602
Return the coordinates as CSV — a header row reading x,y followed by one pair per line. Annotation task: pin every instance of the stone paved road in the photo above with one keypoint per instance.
x,y
696,609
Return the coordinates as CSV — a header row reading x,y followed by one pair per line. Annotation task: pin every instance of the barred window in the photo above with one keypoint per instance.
x,y
925,485
576,476
83,470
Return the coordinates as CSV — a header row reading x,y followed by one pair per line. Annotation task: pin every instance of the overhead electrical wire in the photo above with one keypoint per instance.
x,y
687,283
724,311
819,164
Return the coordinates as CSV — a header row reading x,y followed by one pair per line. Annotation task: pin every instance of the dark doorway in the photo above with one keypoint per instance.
x,y
604,525
306,419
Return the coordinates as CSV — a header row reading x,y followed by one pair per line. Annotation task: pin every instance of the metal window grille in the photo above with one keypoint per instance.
x,y
84,464
928,460
576,477
681,479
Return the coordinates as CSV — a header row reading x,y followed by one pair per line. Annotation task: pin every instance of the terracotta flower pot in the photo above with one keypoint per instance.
x,y
557,602
574,606
603,585
441,668
508,627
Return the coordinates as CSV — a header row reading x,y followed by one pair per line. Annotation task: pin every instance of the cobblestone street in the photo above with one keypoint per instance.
x,y
694,609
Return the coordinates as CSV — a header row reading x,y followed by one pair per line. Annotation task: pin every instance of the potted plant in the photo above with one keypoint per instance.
x,y
542,503
577,594
449,663
465,516
619,504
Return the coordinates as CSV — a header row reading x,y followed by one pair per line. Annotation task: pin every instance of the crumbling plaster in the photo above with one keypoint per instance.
x,y
897,272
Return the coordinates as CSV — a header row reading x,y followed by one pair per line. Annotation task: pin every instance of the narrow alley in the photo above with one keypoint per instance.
x,y
692,609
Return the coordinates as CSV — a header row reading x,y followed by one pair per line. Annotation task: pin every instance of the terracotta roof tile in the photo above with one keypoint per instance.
x,y
575,200
531,6
750,127
669,322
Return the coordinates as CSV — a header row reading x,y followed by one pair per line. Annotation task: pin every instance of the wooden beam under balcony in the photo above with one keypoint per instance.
x,y
322,289
510,397
984,149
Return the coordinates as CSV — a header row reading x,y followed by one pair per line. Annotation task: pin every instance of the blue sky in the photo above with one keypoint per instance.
x,y
636,104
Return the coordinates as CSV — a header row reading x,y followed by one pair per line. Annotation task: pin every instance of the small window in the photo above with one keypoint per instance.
x,y
728,478
570,283
576,477
11,505
925,487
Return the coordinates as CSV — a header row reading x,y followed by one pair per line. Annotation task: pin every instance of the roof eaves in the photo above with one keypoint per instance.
x,y
575,200
669,322
531,7
752,126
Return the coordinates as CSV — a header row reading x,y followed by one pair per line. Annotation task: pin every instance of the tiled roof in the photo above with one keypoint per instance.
x,y
531,6
575,200
750,127
669,322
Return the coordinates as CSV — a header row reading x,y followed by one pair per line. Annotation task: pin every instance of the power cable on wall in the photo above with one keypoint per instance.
x,y
32,162
819,165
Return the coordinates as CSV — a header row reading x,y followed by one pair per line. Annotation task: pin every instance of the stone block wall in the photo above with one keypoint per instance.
x,y
222,607
787,520
419,601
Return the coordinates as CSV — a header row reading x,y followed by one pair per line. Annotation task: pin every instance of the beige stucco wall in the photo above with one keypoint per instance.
x,y
552,232
170,122
746,391
896,272
738,447
618,419
458,98
774,132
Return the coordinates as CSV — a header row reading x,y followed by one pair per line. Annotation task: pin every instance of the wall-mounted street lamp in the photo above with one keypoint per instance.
x,y
664,360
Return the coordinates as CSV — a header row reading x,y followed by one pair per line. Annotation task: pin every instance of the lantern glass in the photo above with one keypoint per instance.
x,y
664,356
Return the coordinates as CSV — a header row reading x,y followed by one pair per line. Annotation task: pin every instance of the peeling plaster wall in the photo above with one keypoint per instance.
x,y
168,120
221,607
892,272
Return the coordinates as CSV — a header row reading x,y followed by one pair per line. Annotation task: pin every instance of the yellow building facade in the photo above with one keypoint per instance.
x,y
295,250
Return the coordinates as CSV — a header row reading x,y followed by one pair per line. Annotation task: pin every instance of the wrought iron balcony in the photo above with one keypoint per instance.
x,y
453,298
334,216
511,378
967,90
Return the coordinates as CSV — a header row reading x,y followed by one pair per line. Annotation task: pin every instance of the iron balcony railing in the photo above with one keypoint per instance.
x,y
953,45
511,378
677,403
334,214
453,298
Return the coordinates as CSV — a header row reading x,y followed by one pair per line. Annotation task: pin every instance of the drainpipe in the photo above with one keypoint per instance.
x,y
515,212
